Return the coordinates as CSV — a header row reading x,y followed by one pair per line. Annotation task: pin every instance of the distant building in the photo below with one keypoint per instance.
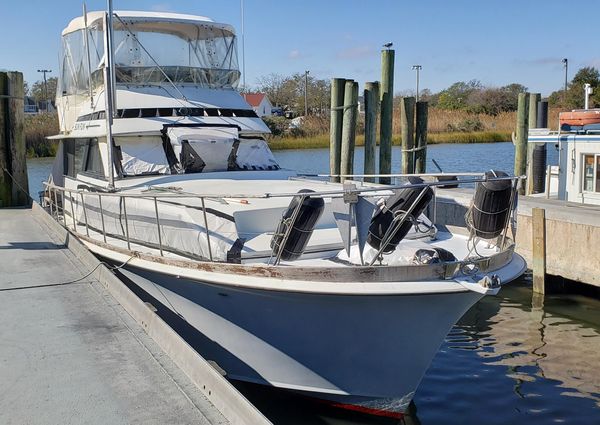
x,y
260,103
30,105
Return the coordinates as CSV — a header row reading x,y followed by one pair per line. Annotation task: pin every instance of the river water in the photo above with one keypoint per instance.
x,y
511,359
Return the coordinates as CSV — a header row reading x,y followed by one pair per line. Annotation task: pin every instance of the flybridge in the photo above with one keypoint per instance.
x,y
149,49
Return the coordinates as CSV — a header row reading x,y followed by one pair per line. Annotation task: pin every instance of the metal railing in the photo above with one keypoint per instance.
x,y
63,204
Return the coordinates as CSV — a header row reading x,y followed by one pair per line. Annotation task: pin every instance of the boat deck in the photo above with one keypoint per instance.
x,y
70,353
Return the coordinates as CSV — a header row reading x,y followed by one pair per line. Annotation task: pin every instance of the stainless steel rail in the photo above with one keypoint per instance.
x,y
61,210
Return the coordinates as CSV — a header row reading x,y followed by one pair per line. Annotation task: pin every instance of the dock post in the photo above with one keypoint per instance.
x,y
534,99
14,187
407,126
421,137
521,140
371,97
387,105
335,128
349,128
538,250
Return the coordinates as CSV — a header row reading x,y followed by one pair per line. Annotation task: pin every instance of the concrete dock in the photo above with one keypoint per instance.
x,y
70,353
570,236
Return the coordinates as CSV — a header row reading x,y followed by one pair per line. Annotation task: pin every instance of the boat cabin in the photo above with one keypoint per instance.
x,y
166,98
576,178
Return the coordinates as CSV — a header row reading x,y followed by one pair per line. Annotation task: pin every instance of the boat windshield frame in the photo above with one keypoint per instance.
x,y
151,51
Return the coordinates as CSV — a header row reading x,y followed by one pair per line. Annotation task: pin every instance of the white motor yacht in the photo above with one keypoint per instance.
x,y
339,291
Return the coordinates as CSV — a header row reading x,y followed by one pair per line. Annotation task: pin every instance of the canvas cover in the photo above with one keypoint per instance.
x,y
254,154
142,156
182,224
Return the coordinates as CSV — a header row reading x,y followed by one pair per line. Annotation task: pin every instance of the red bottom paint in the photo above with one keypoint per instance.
x,y
361,409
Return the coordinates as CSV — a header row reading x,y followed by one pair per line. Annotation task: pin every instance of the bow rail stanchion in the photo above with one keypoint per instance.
x,y
391,232
158,227
210,256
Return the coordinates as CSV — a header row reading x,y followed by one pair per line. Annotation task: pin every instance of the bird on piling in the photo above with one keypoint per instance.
x,y
388,45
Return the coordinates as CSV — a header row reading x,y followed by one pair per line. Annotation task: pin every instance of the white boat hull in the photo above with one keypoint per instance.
x,y
363,350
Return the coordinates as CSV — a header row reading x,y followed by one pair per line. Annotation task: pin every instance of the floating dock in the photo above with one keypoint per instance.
x,y
79,347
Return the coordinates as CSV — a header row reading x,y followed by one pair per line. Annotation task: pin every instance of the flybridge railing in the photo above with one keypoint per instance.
x,y
85,212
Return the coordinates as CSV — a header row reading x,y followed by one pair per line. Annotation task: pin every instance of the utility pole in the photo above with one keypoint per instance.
x,y
417,68
565,61
45,71
306,93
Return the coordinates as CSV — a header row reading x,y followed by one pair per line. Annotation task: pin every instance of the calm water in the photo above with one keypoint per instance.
x,y
512,359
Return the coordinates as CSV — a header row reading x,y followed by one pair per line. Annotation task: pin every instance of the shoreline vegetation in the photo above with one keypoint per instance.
x,y
444,126
322,141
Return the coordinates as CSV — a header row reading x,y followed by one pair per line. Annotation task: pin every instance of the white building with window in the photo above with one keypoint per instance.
x,y
576,178
260,103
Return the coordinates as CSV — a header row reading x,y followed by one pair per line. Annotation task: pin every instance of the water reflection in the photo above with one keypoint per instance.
x,y
514,359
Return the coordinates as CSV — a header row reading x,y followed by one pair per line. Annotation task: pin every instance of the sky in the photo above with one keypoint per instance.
x,y
496,42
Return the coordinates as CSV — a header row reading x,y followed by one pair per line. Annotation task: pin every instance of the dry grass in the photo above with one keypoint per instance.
x,y
37,128
443,127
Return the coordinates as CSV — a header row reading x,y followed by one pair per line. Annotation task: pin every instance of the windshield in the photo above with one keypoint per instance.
x,y
147,51
204,55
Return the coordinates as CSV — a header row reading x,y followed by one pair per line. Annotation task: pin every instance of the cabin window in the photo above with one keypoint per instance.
x,y
93,163
591,173
82,155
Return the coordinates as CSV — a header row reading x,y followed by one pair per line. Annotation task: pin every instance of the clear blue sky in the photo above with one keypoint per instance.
x,y
497,42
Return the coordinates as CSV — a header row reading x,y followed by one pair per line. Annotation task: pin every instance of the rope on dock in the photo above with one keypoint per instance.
x,y
71,281
17,183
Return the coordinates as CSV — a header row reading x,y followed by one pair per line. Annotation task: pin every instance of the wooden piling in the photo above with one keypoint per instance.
x,y
521,140
421,137
538,230
387,104
335,129
371,98
14,186
349,128
534,99
5,183
407,127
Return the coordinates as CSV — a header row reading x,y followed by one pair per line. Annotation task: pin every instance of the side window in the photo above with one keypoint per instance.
x,y
93,163
591,173
69,157
82,155
597,173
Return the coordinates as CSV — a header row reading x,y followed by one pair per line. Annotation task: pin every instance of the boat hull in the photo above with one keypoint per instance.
x,y
366,351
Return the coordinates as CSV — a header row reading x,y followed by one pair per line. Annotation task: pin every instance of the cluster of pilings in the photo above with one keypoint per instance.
x,y
530,159
378,101
13,168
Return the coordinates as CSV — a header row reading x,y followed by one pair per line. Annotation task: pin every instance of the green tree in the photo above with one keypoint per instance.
x,y
38,93
574,97
493,101
456,96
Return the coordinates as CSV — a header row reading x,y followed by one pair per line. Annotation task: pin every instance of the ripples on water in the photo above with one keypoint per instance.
x,y
509,360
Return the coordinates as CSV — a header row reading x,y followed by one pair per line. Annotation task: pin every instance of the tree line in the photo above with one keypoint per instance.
x,y
470,96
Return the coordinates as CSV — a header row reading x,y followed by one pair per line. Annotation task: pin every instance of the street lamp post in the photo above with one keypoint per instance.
x,y
306,93
45,71
565,61
417,68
